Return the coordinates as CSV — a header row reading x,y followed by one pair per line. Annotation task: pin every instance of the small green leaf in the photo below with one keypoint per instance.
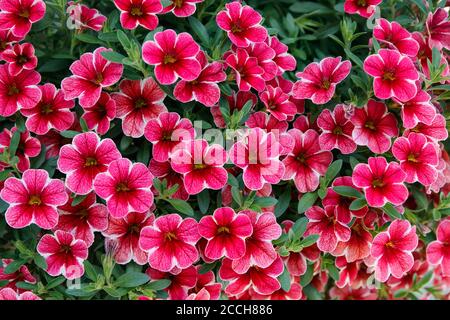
x,y
402,293
424,281
265,202
307,201
392,212
285,280
333,170
3,283
14,143
55,282
123,39
181,206
69,134
113,56
237,196
283,203
299,227
88,38
309,240
207,267
26,285
115,292
13,266
347,191
132,279
308,276
200,30
358,204
333,272
157,285
78,199
40,261
203,201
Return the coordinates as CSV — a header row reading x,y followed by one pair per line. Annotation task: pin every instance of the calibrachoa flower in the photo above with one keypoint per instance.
x,y
242,24
358,246
27,148
123,234
265,55
182,8
392,250
164,171
207,281
277,103
170,242
394,75
318,80
418,158
137,102
19,15
247,72
235,101
324,222
418,109
19,91
99,116
226,232
7,39
51,112
374,126
82,17
180,281
125,187
337,130
83,219
166,132
438,251
393,36
438,29
200,164
365,8
173,55
205,88
139,12
64,254
19,57
84,159
22,274
283,60
10,294
258,155
307,161
33,199
435,131
381,181
90,74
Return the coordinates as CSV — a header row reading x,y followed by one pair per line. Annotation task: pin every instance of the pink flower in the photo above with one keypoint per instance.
x,y
438,251
337,130
164,171
259,250
418,109
180,281
365,8
307,161
51,112
21,275
349,293
393,36
125,187
83,219
438,29
435,131
19,91
173,55
170,242
242,24
294,293
83,17
418,158
166,132
139,12
201,165
318,80
235,102
247,72
7,39
19,15
90,74
277,103
182,8
10,294
262,280
374,126
28,147
64,254
84,159
204,89
258,155
123,234
426,53
99,116
394,75
20,57
265,55
226,232
358,246
284,60
392,250
381,182
207,282
324,222
137,102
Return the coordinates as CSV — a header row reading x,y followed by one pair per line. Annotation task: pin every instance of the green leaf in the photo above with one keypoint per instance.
x,y
69,134
123,39
26,285
354,58
353,162
88,38
113,56
4,283
158,284
90,271
200,30
81,292
232,181
116,293
333,272
358,204
203,201
307,201
78,199
347,192
207,267
424,281
40,261
308,6
309,240
283,202
237,196
392,212
308,276
333,170
265,202
285,280
55,282
13,266
225,110
181,206
299,227
108,36
14,143
312,293
132,279
402,293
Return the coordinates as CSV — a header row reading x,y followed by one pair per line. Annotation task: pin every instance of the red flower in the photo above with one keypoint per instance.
x,y
125,187
324,222
84,159
90,74
418,158
358,246
381,182
139,12
64,254
173,55
392,250
99,116
207,282
418,109
438,29
284,60
393,36
394,75
180,281
426,53
247,72
137,102
201,165
242,24
84,17
265,55
235,102
438,251
170,242
123,235
318,80
10,294
374,126
226,232
349,293
19,91
306,162
28,147
7,39
19,15
164,171
83,219
182,8
277,103
365,8
21,275
52,112
20,57
435,131
204,89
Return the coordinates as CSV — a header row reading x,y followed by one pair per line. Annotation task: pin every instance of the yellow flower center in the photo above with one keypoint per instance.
x,y
46,109
223,229
169,59
170,236
13,90
90,162
122,187
35,201
136,12
140,103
